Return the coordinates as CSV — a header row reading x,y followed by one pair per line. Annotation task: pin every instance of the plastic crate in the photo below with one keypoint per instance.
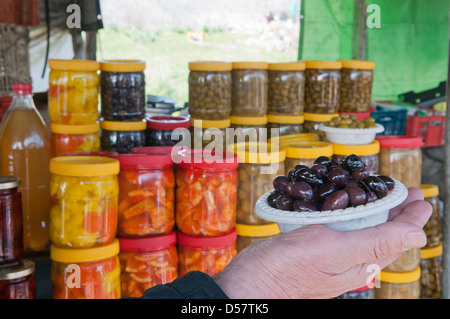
x,y
5,102
394,122
431,128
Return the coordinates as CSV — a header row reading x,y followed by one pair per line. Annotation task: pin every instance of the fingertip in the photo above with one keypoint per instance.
x,y
417,212
415,193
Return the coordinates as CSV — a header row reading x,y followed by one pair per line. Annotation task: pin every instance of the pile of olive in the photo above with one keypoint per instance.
x,y
345,120
328,185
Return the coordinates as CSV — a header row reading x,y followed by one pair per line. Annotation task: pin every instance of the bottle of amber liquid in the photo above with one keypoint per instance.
x,y
25,154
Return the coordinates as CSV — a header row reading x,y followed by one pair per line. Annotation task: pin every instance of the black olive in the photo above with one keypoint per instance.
x,y
377,186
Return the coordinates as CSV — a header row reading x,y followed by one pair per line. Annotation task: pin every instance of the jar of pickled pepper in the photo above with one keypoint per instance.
x,y
121,137
17,280
147,262
305,153
398,285
146,195
368,154
206,192
74,138
92,273
84,192
250,234
160,130
431,272
433,227
11,227
73,91
206,254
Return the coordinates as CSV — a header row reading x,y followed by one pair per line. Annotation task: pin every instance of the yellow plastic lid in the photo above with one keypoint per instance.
x,y
400,277
248,120
429,190
358,64
250,65
360,150
432,252
122,66
308,149
210,66
283,140
257,153
287,66
285,119
74,129
123,126
314,64
211,124
315,117
74,65
71,255
88,166
257,230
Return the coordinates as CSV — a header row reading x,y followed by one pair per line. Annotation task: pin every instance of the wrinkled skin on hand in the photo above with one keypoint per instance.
x,y
319,262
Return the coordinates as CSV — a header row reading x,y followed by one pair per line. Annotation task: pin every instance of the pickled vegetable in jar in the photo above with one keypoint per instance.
x,y
84,191
209,134
147,262
160,129
122,85
250,234
146,195
433,228
431,272
17,280
313,121
206,193
249,129
305,153
398,285
121,137
92,273
206,254
210,90
368,154
73,91
286,124
408,261
66,139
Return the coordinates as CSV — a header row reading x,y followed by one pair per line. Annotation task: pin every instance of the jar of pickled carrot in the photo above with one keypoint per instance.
x,y
74,138
207,254
84,191
92,273
146,195
73,91
147,262
206,192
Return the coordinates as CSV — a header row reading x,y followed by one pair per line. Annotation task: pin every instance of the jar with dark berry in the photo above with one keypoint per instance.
x,y
121,137
17,280
122,86
160,129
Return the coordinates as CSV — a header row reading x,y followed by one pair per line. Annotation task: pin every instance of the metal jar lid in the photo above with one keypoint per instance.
x,y
17,270
8,182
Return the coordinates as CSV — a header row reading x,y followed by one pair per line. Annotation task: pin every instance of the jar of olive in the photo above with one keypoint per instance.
x,y
431,272
210,90
250,234
287,124
398,285
322,87
249,128
283,141
305,153
408,261
204,133
312,121
356,85
433,227
286,88
368,154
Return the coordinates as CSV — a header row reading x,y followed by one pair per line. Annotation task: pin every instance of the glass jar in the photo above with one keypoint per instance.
x,y
286,94
401,158
121,137
305,153
322,87
122,85
73,91
313,121
209,134
84,191
356,85
431,272
368,154
160,129
250,234
146,195
282,141
11,226
210,90
250,85
433,227
206,254
361,293
249,129
67,139
92,273
17,280
206,193
147,262
407,261
286,124
398,285
259,164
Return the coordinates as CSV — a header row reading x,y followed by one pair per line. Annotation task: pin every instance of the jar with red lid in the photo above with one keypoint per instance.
x,y
147,262
400,157
206,192
366,292
11,227
17,280
146,195
206,254
160,129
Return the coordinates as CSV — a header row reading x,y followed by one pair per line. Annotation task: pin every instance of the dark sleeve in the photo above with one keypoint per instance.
x,y
193,285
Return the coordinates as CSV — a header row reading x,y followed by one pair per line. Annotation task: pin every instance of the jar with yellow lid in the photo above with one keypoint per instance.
x,y
250,85
84,191
259,164
356,85
322,87
368,154
121,137
305,153
17,280
284,140
312,122
210,90
286,124
249,129
250,234
286,88
407,261
431,272
92,273
398,285
67,139
433,228
73,91
122,84
211,134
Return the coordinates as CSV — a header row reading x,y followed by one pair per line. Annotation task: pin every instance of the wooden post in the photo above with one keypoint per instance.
x,y
359,30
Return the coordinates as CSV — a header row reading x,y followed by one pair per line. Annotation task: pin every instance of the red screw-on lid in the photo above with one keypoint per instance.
x,y
167,122
399,141
146,160
148,243
206,159
206,242
22,88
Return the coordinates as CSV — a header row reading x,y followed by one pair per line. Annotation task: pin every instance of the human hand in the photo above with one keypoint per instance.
x,y
319,262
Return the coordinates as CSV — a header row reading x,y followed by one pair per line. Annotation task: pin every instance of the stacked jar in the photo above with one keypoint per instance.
x,y
398,285
312,121
251,234
285,124
123,105
304,153
368,154
166,130
210,134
